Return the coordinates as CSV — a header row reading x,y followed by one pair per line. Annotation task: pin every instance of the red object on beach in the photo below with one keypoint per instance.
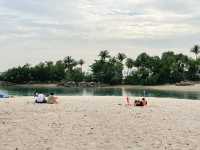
x,y
128,101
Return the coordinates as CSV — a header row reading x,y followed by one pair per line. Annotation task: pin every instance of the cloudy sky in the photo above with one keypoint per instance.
x,y
37,30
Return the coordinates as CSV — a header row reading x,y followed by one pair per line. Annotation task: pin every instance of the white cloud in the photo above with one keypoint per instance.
x,y
76,25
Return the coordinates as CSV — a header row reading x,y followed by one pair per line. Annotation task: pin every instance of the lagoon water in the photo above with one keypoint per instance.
x,y
28,91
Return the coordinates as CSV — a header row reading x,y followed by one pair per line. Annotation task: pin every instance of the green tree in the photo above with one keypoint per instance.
x,y
81,62
59,70
196,50
149,70
103,55
143,60
129,64
107,71
75,75
121,56
70,63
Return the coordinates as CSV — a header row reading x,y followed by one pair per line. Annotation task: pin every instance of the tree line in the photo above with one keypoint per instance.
x,y
107,69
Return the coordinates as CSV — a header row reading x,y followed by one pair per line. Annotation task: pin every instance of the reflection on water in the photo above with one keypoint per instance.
x,y
28,91
158,93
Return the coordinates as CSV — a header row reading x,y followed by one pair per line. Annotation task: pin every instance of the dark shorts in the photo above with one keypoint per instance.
x,y
139,103
43,102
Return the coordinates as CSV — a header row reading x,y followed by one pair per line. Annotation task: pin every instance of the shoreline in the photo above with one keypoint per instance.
x,y
166,87
99,123
84,97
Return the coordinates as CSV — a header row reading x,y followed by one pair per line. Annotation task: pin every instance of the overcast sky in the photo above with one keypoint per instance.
x,y
37,30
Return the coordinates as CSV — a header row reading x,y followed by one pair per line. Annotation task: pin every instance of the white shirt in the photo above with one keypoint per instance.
x,y
40,98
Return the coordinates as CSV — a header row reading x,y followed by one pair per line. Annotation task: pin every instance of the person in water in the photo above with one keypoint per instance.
x,y
52,99
40,98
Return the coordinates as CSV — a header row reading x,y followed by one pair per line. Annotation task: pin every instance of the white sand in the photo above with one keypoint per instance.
x,y
99,123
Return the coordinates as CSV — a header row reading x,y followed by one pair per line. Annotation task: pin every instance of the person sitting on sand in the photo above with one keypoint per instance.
x,y
142,102
40,98
52,99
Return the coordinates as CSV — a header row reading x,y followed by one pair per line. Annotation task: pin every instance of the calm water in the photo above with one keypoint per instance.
x,y
28,91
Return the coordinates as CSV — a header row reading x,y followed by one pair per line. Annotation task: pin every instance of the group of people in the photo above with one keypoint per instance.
x,y
142,102
49,99
139,102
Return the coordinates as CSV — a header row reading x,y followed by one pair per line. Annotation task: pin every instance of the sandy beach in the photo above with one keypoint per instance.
x,y
99,123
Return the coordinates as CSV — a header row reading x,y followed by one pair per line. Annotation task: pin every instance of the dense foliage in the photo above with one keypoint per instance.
x,y
144,70
46,72
108,69
170,68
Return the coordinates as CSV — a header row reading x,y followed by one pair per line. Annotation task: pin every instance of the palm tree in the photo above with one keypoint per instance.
x,y
121,56
196,50
129,64
104,54
112,60
69,63
81,62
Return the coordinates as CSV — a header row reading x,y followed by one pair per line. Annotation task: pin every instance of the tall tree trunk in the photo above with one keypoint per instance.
x,y
81,69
